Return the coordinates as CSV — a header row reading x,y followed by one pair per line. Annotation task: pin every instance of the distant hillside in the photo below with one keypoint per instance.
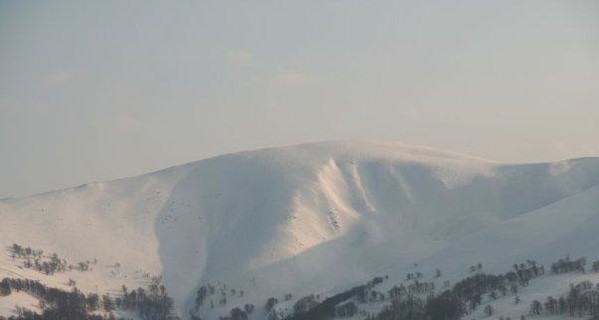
x,y
308,219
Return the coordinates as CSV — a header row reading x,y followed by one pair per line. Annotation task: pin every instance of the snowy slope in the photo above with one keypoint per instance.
x,y
311,218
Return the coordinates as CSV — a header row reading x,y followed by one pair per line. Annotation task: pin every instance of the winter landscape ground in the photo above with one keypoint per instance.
x,y
304,223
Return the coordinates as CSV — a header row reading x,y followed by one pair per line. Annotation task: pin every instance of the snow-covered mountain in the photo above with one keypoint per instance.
x,y
314,218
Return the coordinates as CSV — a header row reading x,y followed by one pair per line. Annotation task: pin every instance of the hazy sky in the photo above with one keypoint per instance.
x,y
99,90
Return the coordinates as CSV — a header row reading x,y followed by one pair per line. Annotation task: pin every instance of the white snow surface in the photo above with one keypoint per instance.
x,y
312,218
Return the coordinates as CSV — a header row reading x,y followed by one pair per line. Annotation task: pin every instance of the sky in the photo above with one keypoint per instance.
x,y
98,90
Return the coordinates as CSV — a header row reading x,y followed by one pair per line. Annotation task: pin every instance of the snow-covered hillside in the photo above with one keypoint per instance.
x,y
315,218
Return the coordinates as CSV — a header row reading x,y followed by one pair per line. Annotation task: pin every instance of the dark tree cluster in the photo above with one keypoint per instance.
x,y
53,265
151,304
5,287
367,293
581,300
81,266
50,264
421,287
25,252
396,291
444,306
375,281
59,304
418,301
270,303
236,314
201,296
219,294
305,304
447,305
473,287
409,307
452,304
35,259
346,310
523,273
309,309
566,265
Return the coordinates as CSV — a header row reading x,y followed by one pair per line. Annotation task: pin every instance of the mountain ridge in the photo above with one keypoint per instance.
x,y
278,220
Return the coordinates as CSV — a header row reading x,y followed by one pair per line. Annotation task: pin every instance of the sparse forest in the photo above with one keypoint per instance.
x,y
151,304
46,264
413,299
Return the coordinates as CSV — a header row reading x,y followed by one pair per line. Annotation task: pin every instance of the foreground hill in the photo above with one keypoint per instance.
x,y
315,218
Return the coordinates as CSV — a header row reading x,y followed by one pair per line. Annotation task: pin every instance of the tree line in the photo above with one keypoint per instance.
x,y
56,304
50,264
581,300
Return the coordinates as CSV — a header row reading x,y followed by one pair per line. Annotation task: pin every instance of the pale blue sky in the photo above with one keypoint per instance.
x,y
99,90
